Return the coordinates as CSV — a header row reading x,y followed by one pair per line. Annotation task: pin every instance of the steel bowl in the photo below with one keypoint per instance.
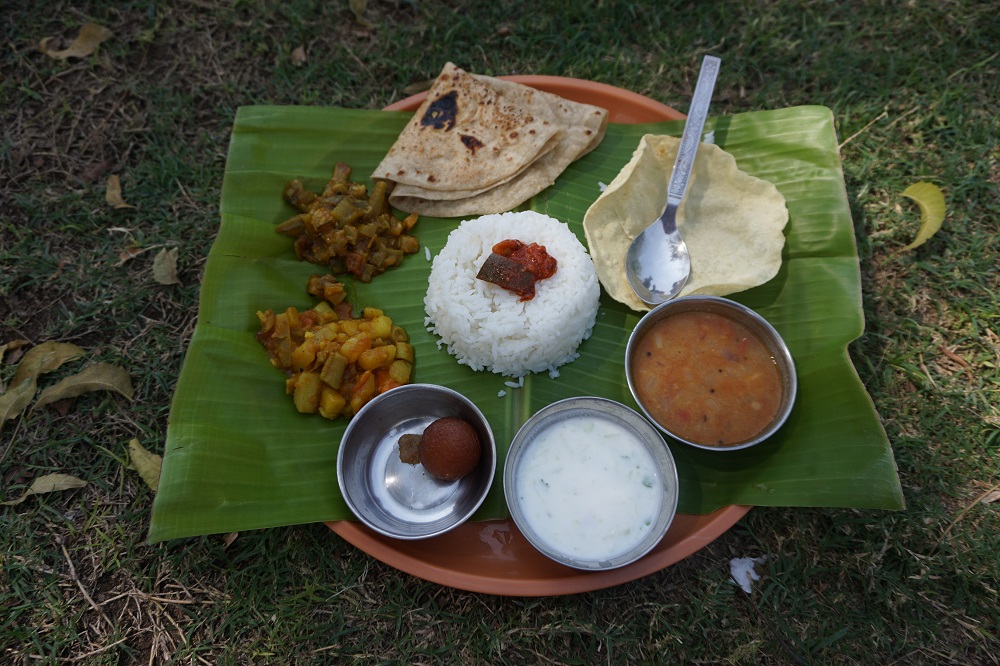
x,y
550,537
741,314
399,499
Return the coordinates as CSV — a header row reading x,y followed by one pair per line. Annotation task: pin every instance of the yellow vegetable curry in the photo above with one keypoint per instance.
x,y
335,363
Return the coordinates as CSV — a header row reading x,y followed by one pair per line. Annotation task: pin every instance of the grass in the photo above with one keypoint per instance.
x,y
910,86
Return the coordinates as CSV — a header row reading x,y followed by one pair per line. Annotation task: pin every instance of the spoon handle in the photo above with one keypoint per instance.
x,y
692,130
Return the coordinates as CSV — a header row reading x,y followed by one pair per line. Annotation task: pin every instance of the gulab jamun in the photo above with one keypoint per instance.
x,y
450,448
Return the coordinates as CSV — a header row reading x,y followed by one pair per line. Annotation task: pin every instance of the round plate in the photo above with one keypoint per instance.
x,y
493,557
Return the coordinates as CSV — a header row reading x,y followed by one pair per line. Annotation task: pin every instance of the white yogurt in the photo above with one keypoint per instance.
x,y
588,487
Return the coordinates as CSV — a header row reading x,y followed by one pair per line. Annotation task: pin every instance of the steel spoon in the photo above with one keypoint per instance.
x,y
657,262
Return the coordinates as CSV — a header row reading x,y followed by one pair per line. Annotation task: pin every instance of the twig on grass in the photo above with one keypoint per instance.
x,y
961,515
875,120
13,438
164,600
171,620
83,590
958,359
862,130
99,650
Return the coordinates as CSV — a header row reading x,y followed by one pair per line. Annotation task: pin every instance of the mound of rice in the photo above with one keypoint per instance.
x,y
487,327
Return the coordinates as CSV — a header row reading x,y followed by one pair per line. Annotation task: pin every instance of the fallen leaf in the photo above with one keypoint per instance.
x,y
359,7
47,484
146,463
94,172
130,253
298,56
44,358
113,193
13,345
418,87
228,539
96,377
930,199
165,267
63,407
15,400
90,37
59,267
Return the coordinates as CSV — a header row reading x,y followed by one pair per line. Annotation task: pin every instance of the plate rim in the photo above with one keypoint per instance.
x,y
680,541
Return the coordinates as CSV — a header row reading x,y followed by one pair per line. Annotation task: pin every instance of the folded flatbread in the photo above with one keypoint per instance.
x,y
733,223
480,145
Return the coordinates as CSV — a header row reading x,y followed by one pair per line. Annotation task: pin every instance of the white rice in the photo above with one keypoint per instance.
x,y
487,327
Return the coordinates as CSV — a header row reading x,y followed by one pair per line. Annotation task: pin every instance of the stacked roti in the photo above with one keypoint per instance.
x,y
480,145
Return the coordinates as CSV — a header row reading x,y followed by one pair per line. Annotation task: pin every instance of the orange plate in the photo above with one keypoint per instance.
x,y
493,556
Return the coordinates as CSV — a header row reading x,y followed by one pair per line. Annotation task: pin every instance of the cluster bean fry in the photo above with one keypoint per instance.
x,y
347,228
335,363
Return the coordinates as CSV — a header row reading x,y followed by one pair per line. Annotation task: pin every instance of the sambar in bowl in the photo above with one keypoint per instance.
x,y
711,372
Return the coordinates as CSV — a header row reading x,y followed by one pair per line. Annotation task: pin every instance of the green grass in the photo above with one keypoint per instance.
x,y
911,88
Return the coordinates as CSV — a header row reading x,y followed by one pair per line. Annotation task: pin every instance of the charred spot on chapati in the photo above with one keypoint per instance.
x,y
442,112
472,143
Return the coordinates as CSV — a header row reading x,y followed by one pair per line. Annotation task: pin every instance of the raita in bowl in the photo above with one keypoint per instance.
x,y
590,483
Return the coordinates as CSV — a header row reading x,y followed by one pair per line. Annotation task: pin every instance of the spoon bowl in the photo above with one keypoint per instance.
x,y
657,262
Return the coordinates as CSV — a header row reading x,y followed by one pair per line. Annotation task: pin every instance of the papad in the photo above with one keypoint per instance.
x,y
731,221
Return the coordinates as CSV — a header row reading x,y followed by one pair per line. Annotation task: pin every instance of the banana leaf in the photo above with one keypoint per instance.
x,y
238,456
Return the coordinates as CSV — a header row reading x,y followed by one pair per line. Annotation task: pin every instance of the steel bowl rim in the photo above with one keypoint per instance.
x,y
671,498
374,404
775,342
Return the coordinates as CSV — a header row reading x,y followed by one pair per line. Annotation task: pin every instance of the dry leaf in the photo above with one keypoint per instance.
x,y
165,267
228,539
15,400
44,358
298,56
94,172
113,193
47,484
130,253
359,7
146,463
60,266
13,345
930,200
91,35
96,377
418,87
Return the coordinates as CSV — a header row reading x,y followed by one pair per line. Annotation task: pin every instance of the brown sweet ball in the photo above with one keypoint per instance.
x,y
450,448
